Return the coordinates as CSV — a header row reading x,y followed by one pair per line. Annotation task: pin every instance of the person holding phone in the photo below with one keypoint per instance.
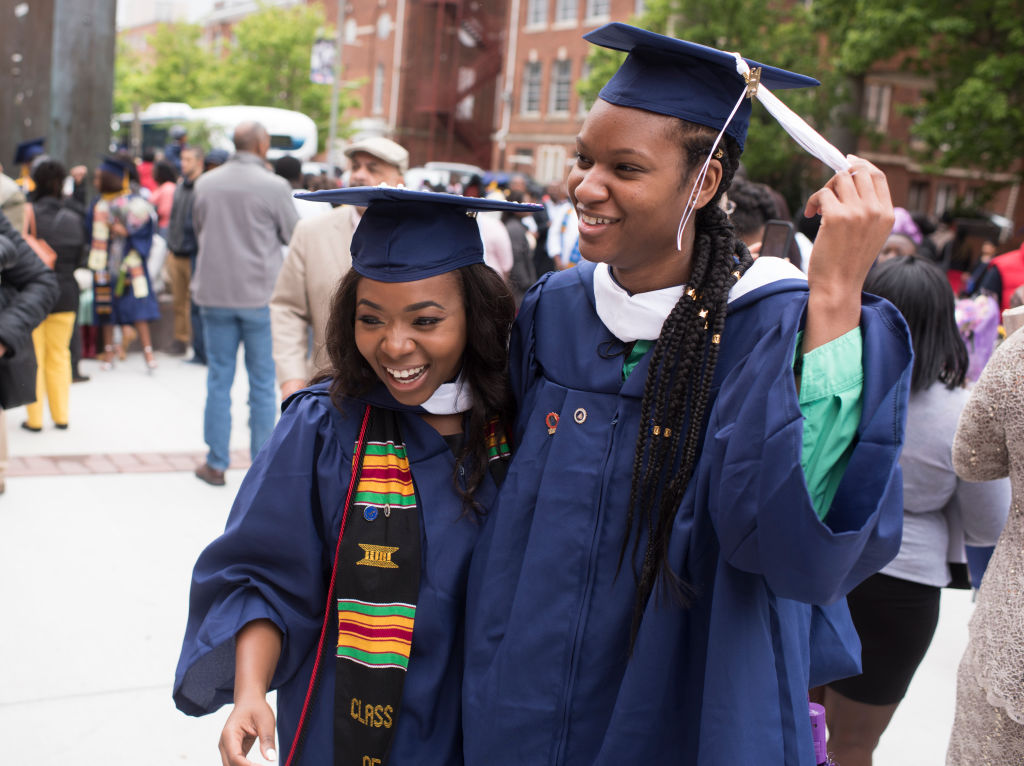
x,y
704,468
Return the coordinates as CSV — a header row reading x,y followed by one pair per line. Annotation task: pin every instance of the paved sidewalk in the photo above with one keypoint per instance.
x,y
99,529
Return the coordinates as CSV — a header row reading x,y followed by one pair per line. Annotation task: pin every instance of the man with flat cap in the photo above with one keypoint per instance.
x,y
318,256
242,214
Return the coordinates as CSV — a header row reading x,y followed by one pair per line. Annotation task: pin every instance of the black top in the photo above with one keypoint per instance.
x,y
61,225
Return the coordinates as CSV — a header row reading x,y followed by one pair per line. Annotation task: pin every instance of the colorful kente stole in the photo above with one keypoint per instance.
x,y
99,257
375,593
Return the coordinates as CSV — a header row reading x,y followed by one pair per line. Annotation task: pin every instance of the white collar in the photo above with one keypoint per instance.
x,y
450,398
640,316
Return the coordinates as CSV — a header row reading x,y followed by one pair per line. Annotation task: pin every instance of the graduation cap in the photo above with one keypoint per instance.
x,y
407,235
114,166
682,79
27,151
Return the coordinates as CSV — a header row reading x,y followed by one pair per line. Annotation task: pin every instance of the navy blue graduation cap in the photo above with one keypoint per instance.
x,y
407,235
683,79
114,166
27,151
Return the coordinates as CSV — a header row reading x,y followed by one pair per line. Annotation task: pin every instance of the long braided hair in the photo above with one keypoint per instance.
x,y
679,379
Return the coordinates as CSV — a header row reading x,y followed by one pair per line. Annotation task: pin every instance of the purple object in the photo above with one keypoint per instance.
x,y
818,733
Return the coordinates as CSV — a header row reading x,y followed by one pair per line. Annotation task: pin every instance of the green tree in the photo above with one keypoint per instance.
x,y
969,55
772,31
268,65
177,67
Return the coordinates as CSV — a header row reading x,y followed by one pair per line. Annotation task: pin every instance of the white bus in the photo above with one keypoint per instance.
x,y
291,133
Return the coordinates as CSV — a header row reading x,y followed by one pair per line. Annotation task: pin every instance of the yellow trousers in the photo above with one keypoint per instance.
x,y
179,271
53,357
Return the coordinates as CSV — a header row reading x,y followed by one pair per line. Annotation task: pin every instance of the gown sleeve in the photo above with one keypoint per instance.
x,y
832,380
758,498
273,559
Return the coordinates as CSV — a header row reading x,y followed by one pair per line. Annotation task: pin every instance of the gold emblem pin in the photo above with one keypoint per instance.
x,y
377,556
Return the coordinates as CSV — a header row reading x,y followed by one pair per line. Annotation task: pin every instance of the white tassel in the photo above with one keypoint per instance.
x,y
808,138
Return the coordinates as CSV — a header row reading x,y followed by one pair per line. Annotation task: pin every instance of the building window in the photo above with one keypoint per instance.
x,y
552,163
598,9
945,198
917,196
561,84
537,13
582,107
467,79
876,105
378,89
522,157
566,10
530,102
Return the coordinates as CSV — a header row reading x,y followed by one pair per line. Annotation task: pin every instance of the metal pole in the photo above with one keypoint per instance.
x,y
335,87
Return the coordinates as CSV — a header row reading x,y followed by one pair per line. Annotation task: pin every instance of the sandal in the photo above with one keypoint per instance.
x,y
107,360
150,359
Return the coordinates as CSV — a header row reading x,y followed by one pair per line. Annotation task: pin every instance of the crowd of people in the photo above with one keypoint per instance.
x,y
706,476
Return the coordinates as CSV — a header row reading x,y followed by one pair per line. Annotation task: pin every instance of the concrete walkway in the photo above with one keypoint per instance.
x,y
99,528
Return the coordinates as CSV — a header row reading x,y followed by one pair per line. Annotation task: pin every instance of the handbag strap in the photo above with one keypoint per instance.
x,y
357,461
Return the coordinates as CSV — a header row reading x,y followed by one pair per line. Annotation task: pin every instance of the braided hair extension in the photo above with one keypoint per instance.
x,y
679,379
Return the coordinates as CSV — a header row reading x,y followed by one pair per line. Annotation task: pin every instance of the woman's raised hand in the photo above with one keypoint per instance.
x,y
856,217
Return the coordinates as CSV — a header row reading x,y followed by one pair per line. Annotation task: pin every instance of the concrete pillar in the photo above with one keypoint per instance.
x,y
57,77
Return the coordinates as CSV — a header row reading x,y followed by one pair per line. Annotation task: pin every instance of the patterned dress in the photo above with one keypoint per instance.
x,y
989,723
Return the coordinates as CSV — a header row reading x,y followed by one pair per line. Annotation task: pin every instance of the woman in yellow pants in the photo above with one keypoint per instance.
x,y
61,227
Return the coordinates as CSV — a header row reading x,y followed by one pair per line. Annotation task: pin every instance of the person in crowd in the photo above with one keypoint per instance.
x,y
243,214
166,177
563,235
121,225
986,253
12,200
318,257
989,723
30,290
24,154
383,467
752,206
179,140
146,167
704,465
61,226
897,245
1004,275
896,611
290,169
181,242
523,273
215,158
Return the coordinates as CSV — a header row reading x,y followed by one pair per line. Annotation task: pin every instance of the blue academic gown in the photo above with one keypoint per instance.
x,y
274,562
549,678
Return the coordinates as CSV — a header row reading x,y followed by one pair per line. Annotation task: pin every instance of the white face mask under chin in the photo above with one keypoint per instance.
x,y
450,398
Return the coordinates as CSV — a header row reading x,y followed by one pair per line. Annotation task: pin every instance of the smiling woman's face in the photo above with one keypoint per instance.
x,y
412,334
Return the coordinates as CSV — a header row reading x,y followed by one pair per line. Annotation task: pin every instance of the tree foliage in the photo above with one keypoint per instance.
x,y
266,64
967,56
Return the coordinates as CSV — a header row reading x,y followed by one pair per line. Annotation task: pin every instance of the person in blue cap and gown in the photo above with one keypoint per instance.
x,y
25,154
400,445
121,225
706,449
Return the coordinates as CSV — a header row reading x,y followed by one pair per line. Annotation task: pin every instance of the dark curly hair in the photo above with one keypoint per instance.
x,y
490,311
48,177
682,366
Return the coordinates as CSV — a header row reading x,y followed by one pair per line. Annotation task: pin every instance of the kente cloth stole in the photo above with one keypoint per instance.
x,y
375,596
103,297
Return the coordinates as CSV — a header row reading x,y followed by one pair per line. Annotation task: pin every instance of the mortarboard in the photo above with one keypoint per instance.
x,y
683,79
216,157
114,166
26,151
407,235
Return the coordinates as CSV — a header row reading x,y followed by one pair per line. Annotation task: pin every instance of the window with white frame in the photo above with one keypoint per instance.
x,y
598,9
561,86
378,89
566,10
537,13
877,98
530,100
551,163
581,103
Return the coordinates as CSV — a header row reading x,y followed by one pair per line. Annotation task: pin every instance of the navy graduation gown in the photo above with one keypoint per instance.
x,y
274,561
549,679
